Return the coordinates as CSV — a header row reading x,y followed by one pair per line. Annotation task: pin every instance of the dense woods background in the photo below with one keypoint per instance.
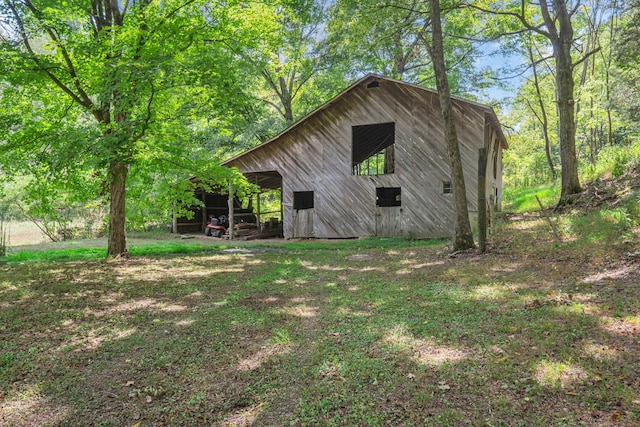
x,y
102,98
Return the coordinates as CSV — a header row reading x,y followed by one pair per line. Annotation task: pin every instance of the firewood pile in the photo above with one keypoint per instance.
x,y
251,231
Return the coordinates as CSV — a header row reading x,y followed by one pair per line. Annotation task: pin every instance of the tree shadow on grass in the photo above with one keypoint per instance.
x,y
480,352
406,336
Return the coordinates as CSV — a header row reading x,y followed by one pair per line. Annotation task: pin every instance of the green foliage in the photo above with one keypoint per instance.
x,y
626,56
158,91
392,38
279,44
613,161
621,217
270,204
603,99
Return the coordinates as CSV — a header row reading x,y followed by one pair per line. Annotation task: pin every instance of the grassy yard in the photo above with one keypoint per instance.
x,y
366,332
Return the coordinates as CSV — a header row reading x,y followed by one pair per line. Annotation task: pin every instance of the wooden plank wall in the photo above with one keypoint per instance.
x,y
493,186
316,156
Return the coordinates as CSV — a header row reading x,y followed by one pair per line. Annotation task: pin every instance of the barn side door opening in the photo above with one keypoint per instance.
x,y
267,206
388,211
303,214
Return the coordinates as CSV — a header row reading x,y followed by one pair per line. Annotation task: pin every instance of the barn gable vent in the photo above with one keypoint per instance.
x,y
374,83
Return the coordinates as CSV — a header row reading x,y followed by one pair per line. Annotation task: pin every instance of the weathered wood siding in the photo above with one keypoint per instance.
x,y
389,221
303,223
316,156
494,170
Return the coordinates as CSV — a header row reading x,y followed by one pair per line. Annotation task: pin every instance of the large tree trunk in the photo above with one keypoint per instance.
x,y
117,246
562,41
463,238
286,99
567,131
283,90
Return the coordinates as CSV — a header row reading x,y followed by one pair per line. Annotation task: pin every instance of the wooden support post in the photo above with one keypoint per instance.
x,y
230,202
282,207
204,212
258,220
482,200
174,219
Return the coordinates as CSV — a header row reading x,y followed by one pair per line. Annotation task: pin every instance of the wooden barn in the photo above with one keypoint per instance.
x,y
372,161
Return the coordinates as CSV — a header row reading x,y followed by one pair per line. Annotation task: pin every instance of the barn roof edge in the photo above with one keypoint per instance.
x,y
371,76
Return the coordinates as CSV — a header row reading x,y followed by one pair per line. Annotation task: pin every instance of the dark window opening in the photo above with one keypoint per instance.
x,y
446,187
373,149
302,200
388,196
373,84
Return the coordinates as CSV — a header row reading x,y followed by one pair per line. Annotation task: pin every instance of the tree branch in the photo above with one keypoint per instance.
x,y
535,113
548,20
40,66
33,219
147,119
303,80
520,17
274,105
586,56
86,101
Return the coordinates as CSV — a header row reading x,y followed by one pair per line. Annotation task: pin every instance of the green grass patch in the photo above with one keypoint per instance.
x,y
95,254
68,254
524,199
151,248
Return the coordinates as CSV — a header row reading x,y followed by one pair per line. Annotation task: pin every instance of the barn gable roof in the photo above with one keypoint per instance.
x,y
369,78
